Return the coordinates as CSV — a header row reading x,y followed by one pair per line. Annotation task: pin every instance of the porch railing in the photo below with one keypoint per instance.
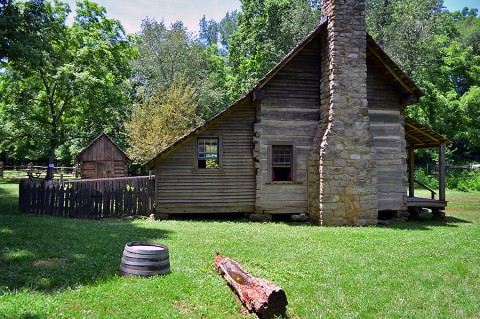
x,y
432,192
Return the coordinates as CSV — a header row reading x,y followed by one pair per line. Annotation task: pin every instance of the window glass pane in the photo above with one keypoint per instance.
x,y
281,163
207,153
282,155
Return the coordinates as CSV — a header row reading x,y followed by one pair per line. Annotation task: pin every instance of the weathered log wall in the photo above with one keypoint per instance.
x,y
182,188
387,126
288,114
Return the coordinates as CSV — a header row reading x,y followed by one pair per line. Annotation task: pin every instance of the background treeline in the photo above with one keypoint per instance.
x,y
62,84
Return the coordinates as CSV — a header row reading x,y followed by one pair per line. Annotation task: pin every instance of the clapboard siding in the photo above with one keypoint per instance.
x,y
386,125
183,189
288,114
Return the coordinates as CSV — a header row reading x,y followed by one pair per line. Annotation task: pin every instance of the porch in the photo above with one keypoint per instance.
x,y
417,136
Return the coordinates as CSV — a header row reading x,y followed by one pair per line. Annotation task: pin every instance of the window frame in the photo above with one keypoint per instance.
x,y
197,157
270,162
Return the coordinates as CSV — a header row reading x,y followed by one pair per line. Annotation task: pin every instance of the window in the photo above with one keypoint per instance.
x,y
207,153
281,163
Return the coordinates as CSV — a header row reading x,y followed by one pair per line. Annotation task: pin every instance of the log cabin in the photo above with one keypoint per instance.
x,y
102,158
323,134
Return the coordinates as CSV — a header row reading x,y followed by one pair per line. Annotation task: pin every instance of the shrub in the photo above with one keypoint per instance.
x,y
461,180
429,179
465,181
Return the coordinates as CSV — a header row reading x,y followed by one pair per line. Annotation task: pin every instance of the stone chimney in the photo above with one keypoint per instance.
x,y
342,170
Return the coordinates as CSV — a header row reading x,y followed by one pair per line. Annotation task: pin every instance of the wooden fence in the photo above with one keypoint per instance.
x,y
95,198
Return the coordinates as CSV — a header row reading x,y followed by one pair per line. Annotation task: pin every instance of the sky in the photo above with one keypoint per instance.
x,y
132,12
458,5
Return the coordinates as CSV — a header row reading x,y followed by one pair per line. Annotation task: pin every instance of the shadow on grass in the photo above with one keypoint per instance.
x,y
8,198
426,222
49,254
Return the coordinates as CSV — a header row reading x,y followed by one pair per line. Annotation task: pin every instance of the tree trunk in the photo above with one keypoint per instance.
x,y
51,160
258,295
51,152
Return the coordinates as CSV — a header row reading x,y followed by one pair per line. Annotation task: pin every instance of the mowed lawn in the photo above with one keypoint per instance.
x,y
66,268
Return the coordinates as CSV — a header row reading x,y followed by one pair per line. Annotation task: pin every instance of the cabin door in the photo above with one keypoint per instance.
x,y
104,169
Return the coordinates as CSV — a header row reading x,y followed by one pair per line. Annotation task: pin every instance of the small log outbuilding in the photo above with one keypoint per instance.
x,y
102,158
323,133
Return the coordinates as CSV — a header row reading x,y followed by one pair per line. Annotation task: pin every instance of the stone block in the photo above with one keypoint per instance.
x,y
330,198
260,218
300,218
361,222
159,216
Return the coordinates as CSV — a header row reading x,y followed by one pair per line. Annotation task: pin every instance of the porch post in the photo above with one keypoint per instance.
x,y
411,169
441,172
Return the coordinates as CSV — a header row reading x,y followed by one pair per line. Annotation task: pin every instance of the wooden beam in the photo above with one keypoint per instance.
x,y
422,132
258,95
411,168
441,171
391,71
420,142
410,99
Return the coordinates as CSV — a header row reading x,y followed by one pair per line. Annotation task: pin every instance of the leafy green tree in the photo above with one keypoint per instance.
x,y
161,118
218,33
226,27
208,31
20,26
407,28
468,24
75,85
451,105
166,53
10,24
266,31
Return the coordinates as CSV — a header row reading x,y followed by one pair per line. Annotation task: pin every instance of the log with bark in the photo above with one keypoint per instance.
x,y
258,295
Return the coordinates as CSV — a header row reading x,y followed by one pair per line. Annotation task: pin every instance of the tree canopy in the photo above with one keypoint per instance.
x,y
161,118
69,88
62,84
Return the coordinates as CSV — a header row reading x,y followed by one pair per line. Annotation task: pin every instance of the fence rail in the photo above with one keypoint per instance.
x,y
97,198
468,166
35,171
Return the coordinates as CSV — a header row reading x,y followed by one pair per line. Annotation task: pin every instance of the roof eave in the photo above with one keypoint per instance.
x,y
197,130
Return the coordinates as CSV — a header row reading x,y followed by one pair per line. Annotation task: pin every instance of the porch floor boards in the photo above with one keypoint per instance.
x,y
426,203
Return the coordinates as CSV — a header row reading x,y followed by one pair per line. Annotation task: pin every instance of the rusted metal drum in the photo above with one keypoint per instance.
x,y
144,259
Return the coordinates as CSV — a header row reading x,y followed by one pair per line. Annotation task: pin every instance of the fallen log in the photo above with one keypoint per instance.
x,y
258,295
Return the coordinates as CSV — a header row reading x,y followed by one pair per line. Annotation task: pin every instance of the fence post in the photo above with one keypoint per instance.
x,y
30,170
441,172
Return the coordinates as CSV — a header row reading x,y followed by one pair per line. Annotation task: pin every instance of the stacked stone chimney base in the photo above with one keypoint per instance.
x,y
342,170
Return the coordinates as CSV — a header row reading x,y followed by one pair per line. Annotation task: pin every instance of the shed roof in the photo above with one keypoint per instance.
x,y
105,135
391,70
419,136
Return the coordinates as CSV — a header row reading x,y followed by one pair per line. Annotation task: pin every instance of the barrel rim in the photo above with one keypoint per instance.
x,y
130,245
160,256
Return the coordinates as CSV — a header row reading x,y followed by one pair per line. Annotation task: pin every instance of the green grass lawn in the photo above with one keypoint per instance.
x,y
66,268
